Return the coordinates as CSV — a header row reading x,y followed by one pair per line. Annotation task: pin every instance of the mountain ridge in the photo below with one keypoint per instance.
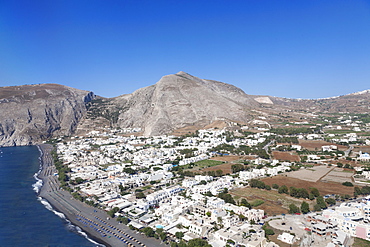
x,y
32,113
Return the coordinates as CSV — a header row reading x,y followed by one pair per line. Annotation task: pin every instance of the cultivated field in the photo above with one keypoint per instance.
x,y
226,168
324,187
228,158
338,175
286,156
313,145
311,174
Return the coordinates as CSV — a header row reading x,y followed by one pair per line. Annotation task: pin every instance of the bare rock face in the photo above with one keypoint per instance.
x,y
179,100
32,113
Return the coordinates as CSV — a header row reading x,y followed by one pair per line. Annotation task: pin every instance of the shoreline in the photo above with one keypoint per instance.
x,y
95,223
48,185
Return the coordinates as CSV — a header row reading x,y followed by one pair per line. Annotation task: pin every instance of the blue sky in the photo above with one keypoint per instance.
x,y
294,49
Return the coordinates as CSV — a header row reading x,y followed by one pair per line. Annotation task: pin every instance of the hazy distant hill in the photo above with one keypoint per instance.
x,y
29,114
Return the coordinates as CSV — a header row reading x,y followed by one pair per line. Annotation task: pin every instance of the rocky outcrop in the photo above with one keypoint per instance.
x,y
32,113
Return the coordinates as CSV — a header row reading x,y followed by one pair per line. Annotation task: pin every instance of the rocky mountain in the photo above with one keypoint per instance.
x,y
181,100
37,112
31,113
176,101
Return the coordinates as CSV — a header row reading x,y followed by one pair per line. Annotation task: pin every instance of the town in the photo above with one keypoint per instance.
x,y
209,184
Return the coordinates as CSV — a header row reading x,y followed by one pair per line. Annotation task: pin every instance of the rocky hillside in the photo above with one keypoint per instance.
x,y
176,102
32,113
180,100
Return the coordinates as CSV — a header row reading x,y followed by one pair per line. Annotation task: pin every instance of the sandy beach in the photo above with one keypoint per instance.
x,y
94,222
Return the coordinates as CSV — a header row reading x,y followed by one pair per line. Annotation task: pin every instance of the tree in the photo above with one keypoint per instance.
x,y
283,189
242,217
148,231
230,241
219,173
330,201
162,236
293,192
293,209
113,211
208,214
320,201
311,196
140,195
257,183
245,203
357,191
365,190
219,220
305,208
123,220
179,235
349,184
316,207
275,186
315,192
269,231
197,242
303,193
227,198
237,168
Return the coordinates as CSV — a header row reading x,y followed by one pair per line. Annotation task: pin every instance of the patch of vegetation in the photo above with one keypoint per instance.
x,y
349,184
257,202
359,242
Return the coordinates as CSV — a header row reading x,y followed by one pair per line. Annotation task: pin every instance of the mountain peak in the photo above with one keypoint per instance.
x,y
181,73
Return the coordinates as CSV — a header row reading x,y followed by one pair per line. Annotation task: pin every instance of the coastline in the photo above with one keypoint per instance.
x,y
90,222
49,184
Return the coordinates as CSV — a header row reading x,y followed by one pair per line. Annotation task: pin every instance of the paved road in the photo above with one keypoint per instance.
x,y
266,147
346,153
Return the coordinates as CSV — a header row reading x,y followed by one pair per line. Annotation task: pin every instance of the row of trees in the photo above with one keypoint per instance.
x,y
61,168
362,191
255,183
298,192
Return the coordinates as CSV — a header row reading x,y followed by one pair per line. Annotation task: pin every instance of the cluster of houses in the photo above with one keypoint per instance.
x,y
350,219
102,163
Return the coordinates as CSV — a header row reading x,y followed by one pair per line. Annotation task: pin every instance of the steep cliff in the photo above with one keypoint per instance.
x,y
32,113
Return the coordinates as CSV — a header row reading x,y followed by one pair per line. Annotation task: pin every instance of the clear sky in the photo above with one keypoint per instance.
x,y
295,49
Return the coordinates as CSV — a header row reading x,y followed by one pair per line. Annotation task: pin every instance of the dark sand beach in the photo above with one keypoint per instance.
x,y
92,221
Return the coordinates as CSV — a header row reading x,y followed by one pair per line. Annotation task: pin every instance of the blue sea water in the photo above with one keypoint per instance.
x,y
24,220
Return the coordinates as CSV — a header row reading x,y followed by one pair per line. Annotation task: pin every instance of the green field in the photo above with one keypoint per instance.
x,y
359,242
202,164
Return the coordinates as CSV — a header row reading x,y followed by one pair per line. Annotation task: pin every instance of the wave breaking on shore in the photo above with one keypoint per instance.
x,y
37,186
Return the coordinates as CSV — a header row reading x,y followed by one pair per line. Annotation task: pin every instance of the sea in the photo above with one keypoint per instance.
x,y
26,219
